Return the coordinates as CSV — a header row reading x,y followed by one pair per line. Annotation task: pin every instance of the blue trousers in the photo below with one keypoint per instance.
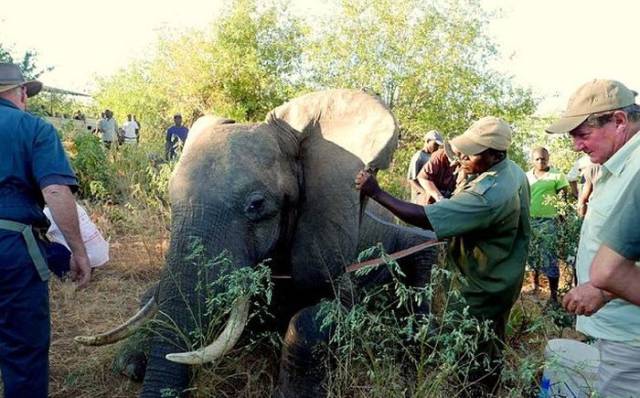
x,y
24,323
544,237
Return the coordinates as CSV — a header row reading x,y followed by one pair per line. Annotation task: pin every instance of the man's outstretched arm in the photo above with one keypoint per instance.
x,y
407,212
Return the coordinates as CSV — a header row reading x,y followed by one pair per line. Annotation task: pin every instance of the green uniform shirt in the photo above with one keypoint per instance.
x,y
488,221
544,188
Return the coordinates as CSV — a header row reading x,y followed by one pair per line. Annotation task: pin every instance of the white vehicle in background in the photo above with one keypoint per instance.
x,y
62,121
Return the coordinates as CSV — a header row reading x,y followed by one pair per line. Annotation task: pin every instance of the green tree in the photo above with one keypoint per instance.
x,y
31,71
241,66
530,133
428,60
134,90
27,62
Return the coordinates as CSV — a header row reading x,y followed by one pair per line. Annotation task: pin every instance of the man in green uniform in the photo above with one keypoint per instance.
x,y
487,222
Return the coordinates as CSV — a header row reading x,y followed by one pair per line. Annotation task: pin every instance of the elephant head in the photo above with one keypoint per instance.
x,y
282,189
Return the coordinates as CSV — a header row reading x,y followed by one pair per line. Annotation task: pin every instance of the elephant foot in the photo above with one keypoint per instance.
x,y
132,365
303,364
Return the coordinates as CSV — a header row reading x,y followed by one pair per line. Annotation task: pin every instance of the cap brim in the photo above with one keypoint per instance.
x,y
467,146
565,124
438,141
8,87
33,87
449,151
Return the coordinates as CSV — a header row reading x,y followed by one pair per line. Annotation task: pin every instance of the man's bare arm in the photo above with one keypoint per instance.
x,y
583,198
407,212
614,273
431,189
416,185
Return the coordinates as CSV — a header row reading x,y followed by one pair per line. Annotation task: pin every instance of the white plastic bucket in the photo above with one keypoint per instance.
x,y
570,369
97,247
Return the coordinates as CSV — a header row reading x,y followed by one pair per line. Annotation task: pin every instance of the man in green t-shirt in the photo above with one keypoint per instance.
x,y
487,222
546,183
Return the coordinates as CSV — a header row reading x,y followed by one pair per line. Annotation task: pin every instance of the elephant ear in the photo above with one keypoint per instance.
x,y
339,133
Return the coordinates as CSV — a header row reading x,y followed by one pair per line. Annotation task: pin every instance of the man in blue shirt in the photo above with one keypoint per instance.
x,y
176,134
33,171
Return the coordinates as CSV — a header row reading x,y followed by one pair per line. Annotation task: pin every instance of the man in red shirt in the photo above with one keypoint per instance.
x,y
439,175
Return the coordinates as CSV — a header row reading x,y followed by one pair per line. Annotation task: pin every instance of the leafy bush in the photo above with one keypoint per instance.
x,y
381,348
96,176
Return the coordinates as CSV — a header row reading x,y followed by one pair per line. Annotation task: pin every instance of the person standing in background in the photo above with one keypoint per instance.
x,y
176,137
432,141
130,128
546,183
109,129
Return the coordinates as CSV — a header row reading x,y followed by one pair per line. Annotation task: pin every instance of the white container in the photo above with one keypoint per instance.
x,y
570,369
96,246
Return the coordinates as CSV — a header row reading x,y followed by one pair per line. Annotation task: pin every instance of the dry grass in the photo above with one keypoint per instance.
x,y
111,298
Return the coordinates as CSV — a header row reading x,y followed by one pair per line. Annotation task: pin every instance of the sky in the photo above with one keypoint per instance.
x,y
550,46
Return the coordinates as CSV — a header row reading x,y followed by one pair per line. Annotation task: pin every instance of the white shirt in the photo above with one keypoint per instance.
x,y
130,128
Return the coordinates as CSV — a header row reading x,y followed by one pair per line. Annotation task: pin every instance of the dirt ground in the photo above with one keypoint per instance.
x,y
111,298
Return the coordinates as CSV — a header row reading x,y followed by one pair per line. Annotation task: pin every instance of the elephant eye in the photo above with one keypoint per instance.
x,y
255,206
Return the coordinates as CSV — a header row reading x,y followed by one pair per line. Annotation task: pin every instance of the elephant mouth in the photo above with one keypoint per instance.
x,y
225,341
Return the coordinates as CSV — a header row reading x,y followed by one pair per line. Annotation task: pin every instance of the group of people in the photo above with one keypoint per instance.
x,y
108,129
487,216
471,194
129,133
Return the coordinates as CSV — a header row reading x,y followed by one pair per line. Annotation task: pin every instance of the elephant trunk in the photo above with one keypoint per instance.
x,y
164,378
182,296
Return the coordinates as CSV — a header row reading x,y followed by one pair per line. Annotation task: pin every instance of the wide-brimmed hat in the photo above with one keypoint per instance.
x,y
488,132
11,77
433,135
596,96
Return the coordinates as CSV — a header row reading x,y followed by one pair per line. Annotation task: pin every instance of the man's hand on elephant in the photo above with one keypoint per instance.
x,y
584,299
367,184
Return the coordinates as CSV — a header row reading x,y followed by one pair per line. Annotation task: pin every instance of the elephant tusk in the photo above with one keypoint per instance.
x,y
124,330
225,341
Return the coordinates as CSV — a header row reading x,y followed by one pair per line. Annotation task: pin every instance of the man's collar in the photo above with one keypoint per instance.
x,y
6,102
498,166
616,163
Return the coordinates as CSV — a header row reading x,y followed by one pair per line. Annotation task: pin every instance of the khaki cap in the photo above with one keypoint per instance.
x,y
11,77
598,95
488,132
434,135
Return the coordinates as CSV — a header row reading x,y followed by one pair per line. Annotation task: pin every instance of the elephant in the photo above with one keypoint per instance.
x,y
283,190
